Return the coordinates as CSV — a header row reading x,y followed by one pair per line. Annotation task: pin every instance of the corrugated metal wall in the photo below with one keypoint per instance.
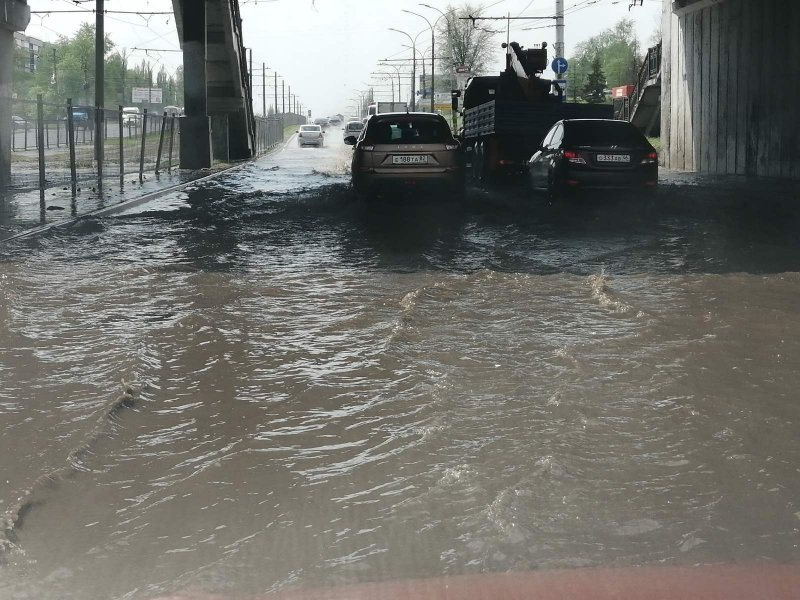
x,y
730,92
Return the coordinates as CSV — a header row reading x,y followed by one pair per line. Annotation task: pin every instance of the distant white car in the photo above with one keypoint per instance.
x,y
310,135
18,122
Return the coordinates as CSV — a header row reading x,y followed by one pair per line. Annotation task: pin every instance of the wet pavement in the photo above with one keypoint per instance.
x,y
262,383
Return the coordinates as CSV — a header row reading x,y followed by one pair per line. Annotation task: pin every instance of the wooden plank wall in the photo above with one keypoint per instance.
x,y
730,84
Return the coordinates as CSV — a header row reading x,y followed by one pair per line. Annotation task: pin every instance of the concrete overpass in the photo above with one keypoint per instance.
x,y
730,87
219,120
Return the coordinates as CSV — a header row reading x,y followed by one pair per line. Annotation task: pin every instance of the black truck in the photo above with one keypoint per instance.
x,y
506,116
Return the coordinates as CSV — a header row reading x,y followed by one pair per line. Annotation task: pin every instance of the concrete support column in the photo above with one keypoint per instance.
x,y
195,128
219,137
14,16
239,137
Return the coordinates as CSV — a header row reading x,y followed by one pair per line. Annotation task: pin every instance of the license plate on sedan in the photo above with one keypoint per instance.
x,y
410,159
619,158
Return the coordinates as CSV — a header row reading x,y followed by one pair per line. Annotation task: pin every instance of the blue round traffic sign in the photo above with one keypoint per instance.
x,y
559,65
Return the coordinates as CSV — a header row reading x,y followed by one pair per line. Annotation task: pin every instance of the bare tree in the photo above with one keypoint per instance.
x,y
464,42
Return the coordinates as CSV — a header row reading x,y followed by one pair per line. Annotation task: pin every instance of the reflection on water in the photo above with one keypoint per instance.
x,y
269,384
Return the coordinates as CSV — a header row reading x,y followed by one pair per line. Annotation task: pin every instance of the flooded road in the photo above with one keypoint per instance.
x,y
264,383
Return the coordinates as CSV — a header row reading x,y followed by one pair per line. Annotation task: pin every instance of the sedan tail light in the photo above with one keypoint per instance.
x,y
573,157
650,158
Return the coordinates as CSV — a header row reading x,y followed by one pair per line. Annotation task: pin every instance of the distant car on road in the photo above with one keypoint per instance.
x,y
593,153
407,149
82,117
322,122
310,135
18,122
131,116
352,128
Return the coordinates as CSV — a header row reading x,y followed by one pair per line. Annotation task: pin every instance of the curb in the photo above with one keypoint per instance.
x,y
133,202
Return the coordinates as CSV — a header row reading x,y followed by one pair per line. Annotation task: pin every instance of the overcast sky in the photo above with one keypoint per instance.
x,y
326,49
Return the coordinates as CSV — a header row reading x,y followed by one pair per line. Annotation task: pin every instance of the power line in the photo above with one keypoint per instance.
x,y
105,12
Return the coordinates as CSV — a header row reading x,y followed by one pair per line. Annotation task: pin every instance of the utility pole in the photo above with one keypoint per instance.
x,y
55,69
559,47
250,50
283,97
99,84
290,98
264,89
124,71
276,94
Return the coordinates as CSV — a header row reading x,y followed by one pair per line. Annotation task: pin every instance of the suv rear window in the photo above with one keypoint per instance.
x,y
603,133
408,131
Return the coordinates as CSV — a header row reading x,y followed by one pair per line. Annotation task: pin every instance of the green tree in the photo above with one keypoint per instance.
x,y
594,89
619,52
65,70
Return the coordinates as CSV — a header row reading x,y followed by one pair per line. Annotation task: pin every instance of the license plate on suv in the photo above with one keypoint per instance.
x,y
619,158
410,159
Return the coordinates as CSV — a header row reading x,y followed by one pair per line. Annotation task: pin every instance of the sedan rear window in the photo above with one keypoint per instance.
x,y
603,133
309,128
407,131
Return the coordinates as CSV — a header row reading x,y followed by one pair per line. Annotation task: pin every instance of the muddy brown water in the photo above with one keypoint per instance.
x,y
262,383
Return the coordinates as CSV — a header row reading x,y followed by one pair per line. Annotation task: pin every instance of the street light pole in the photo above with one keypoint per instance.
x,y
264,89
446,20
433,54
413,67
399,87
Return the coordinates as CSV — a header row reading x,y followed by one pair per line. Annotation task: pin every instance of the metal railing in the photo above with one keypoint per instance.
x,y
53,145
650,69
269,133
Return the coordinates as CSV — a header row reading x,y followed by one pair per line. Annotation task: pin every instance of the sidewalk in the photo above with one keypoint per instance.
x,y
20,210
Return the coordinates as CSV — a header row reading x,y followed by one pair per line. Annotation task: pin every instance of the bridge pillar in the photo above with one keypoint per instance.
x,y
14,16
730,85
238,135
219,137
195,126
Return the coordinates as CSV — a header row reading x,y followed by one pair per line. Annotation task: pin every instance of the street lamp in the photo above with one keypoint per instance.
x,y
413,66
433,53
389,75
399,87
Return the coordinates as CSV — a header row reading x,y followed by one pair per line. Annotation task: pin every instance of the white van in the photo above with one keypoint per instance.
x,y
352,128
131,115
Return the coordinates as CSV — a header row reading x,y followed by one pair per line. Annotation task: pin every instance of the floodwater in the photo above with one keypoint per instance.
x,y
261,384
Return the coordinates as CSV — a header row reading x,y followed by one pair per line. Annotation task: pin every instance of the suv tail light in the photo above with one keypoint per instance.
x,y
451,146
367,148
573,157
